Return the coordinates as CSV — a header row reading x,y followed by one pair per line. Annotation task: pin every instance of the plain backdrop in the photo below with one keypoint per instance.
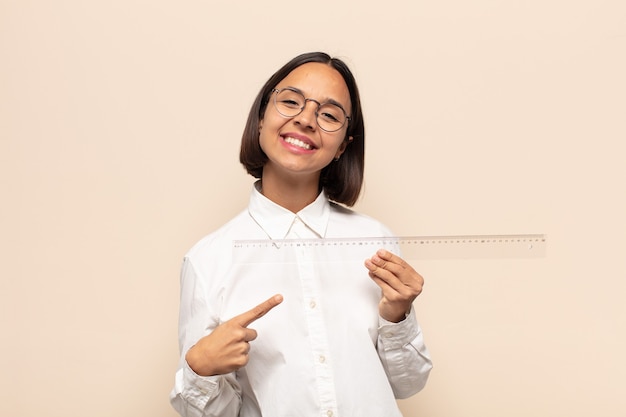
x,y
120,124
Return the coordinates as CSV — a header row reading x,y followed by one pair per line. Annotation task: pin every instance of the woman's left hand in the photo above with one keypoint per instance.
x,y
399,282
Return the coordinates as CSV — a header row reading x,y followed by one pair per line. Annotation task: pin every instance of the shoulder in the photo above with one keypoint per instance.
x,y
219,242
348,222
208,260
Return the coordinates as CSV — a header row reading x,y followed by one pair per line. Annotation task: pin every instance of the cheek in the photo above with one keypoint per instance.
x,y
270,123
267,136
269,127
339,144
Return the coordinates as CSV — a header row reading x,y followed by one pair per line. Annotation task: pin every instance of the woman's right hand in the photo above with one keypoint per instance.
x,y
226,349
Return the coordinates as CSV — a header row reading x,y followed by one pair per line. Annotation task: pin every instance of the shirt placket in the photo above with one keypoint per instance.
x,y
317,329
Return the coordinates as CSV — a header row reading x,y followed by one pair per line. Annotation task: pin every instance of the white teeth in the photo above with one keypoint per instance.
x,y
298,143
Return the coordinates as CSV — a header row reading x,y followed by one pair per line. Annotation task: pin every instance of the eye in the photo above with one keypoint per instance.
x,y
331,113
290,103
290,99
329,117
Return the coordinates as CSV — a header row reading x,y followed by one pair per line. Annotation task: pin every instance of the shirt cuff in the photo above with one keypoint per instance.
x,y
198,390
398,335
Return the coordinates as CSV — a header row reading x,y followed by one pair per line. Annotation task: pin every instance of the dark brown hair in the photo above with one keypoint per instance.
x,y
341,180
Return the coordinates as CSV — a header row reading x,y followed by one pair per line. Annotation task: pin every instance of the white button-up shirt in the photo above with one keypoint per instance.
x,y
324,351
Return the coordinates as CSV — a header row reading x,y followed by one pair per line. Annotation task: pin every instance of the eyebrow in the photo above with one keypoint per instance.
x,y
329,101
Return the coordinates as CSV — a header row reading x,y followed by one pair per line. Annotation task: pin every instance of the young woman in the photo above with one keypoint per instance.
x,y
341,338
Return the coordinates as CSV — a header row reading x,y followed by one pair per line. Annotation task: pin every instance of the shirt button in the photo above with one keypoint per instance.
x,y
312,304
329,413
322,358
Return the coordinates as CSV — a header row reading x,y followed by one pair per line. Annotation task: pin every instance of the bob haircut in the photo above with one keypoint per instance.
x,y
342,180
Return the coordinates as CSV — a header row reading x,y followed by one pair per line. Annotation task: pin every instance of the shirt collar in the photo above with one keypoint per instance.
x,y
276,220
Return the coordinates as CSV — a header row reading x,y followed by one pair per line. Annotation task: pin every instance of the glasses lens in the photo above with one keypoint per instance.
x,y
289,103
330,117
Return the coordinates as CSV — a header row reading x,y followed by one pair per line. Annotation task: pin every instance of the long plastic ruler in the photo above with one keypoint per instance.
x,y
409,247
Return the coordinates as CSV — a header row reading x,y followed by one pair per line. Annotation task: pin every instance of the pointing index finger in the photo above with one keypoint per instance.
x,y
247,318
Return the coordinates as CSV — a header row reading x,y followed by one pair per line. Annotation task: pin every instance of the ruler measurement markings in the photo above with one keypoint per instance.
x,y
411,247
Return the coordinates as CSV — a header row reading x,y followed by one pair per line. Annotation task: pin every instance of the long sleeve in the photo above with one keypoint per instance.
x,y
404,355
194,395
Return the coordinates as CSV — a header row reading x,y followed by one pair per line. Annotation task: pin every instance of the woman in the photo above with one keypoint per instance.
x,y
341,338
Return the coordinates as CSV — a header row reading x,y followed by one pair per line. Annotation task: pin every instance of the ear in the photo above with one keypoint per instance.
x,y
342,147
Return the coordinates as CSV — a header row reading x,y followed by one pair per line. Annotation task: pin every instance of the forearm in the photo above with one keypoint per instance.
x,y
404,356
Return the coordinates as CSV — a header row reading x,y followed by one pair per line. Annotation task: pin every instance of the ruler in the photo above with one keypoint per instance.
x,y
409,247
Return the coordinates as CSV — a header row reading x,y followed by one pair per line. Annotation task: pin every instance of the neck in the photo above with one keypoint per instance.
x,y
292,194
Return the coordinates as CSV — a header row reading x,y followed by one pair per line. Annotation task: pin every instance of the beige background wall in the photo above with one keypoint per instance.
x,y
119,130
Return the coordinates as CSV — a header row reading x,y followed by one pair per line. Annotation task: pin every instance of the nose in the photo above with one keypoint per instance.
x,y
308,115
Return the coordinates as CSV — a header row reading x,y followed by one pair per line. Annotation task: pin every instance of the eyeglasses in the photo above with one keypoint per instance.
x,y
290,102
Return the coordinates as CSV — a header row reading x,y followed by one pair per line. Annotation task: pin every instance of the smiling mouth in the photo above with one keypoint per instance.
x,y
298,143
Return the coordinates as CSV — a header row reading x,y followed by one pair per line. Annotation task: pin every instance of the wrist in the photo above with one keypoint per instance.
x,y
395,316
194,364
